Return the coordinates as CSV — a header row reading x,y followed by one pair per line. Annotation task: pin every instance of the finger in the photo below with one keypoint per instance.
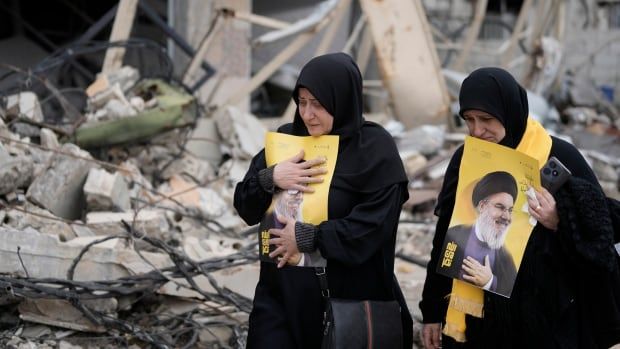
x,y
283,260
532,202
548,197
543,200
303,188
469,278
313,180
297,157
467,263
435,337
486,260
468,270
276,232
276,241
316,161
278,251
427,337
314,172
472,261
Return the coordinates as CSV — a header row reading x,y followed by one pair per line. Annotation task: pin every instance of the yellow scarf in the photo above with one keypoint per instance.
x,y
468,299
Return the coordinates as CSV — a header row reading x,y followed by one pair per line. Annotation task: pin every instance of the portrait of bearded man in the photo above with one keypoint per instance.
x,y
480,256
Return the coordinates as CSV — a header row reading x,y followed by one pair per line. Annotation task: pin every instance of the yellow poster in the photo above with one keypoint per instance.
x,y
304,207
490,223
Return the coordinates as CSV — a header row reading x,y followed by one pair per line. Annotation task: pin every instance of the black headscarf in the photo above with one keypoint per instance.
x,y
367,156
495,91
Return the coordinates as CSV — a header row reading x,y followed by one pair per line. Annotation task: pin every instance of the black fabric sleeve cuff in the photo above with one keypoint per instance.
x,y
305,235
265,179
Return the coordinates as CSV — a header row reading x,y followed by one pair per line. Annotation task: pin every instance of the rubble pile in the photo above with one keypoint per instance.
x,y
112,233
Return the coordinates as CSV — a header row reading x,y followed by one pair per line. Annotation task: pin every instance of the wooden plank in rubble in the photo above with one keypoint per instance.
x,y
408,60
120,31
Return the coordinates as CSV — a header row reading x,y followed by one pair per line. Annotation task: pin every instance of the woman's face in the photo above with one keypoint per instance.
x,y
484,126
316,118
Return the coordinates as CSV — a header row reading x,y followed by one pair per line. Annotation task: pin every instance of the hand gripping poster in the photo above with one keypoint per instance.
x,y
490,223
304,207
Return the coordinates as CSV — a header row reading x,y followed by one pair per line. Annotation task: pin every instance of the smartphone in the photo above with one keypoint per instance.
x,y
553,175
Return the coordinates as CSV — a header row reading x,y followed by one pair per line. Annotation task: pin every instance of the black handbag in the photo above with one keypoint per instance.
x,y
353,324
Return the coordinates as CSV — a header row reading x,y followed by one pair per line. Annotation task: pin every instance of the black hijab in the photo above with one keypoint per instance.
x,y
495,91
367,156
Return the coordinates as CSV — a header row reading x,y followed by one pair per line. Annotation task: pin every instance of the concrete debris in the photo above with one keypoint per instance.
x,y
31,216
190,167
26,105
45,256
426,139
49,139
59,189
242,134
60,313
150,222
125,77
15,172
188,194
204,141
106,191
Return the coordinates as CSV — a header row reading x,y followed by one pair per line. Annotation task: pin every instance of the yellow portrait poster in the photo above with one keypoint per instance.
x,y
490,224
304,207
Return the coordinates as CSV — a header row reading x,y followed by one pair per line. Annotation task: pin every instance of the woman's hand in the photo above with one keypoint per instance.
x,y
476,273
543,209
431,336
286,243
293,174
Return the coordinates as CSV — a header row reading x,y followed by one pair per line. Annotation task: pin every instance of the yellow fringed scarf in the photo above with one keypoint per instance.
x,y
466,298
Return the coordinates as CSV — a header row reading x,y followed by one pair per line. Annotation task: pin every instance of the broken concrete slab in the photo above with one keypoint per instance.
x,y
413,162
61,313
49,139
126,77
25,130
19,219
15,172
202,249
106,191
25,104
59,189
240,279
205,141
4,154
206,200
234,170
427,139
45,256
140,188
241,132
151,222
200,171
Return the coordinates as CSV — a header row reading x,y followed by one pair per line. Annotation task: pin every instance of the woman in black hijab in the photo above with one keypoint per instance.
x,y
567,291
367,191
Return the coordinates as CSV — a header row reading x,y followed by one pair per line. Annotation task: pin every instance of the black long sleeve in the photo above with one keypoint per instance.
x,y
251,199
436,286
353,239
434,303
